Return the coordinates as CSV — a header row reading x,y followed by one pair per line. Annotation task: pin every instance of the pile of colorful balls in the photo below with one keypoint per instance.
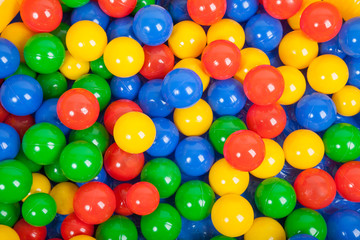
x,y
179,119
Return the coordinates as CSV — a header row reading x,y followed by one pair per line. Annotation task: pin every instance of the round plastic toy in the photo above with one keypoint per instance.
x,y
10,58
27,231
195,65
227,29
78,109
9,142
40,183
121,27
232,215
141,4
343,224
53,84
303,149
347,101
316,112
73,226
297,50
294,20
282,9
61,32
241,10
21,95
117,227
10,213
206,12
101,177
125,88
82,237
181,88
33,167
7,232
40,15
98,67
80,161
221,59
118,8
332,47
23,69
194,200
306,221
187,40
54,172
302,237
74,3
342,142
120,192
163,223
124,57
295,85
3,113
265,228
39,209
348,37
178,10
63,194
94,203
142,198
327,74
347,181
73,68
20,123
92,12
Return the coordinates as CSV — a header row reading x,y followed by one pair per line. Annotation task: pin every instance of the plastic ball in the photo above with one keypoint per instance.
x,y
63,194
91,12
206,12
282,9
98,67
20,123
120,192
343,224
227,29
101,177
294,20
23,69
354,71
302,237
74,3
72,226
295,85
74,68
241,10
348,37
121,27
3,113
10,58
39,209
54,172
40,183
29,232
117,227
53,84
332,47
9,213
82,237
195,65
7,232
9,142
118,8
61,32
178,10
347,181
306,221
265,228
347,101
221,59
21,95
142,198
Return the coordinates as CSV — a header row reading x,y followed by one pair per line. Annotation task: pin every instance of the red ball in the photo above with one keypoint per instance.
x,y
3,113
206,12
348,182
159,60
267,121
244,150
264,85
121,165
78,109
94,203
29,232
72,226
121,191
282,9
41,15
115,110
315,188
221,59
20,123
142,198
321,21
117,8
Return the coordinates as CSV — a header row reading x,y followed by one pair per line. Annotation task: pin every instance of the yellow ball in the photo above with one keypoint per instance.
x,y
82,237
134,132
63,194
86,40
294,21
225,179
187,40
303,149
265,228
7,233
273,162
227,29
297,50
40,184
348,8
347,101
74,68
195,120
250,58
327,74
232,215
195,65
124,57
18,34
295,85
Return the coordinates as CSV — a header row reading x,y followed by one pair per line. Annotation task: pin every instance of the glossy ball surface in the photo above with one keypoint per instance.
x,y
347,181
74,68
9,142
92,12
227,29
125,88
120,192
117,9
265,228
241,10
10,213
282,9
53,84
72,226
347,101
10,58
7,232
348,37
142,198
63,194
39,209
295,85
115,227
195,65
29,232
343,224
206,12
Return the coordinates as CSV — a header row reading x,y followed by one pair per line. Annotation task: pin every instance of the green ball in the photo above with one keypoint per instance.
x,y
222,128
23,69
44,53
43,143
74,3
95,134
221,237
39,209
194,200
54,172
81,161
117,227
32,166
98,67
96,85
9,213
53,84
65,8
275,197
306,221
164,174
342,142
15,181
62,30
142,3
162,224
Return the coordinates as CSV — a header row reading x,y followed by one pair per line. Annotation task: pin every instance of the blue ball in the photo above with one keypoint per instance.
x,y
178,10
349,37
9,142
166,140
121,27
152,25
264,32
21,95
182,88
274,58
101,177
344,225
9,58
226,97
151,100
125,88
302,237
197,230
54,228
47,113
241,10
332,47
91,12
194,156
354,71
316,112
